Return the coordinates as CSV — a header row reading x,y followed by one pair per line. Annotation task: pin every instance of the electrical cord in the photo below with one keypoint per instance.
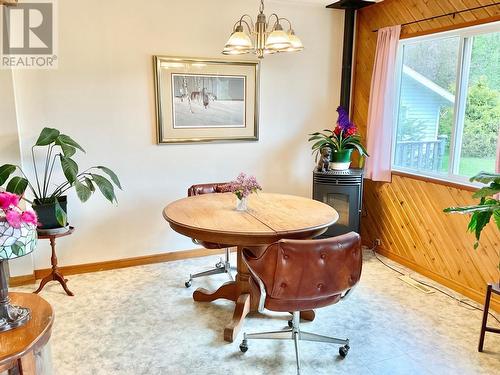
x,y
460,301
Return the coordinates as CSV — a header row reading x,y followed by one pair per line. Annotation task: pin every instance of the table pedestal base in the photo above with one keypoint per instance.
x,y
54,275
238,291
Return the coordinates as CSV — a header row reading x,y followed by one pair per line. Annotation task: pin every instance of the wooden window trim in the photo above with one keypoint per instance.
x,y
451,27
436,181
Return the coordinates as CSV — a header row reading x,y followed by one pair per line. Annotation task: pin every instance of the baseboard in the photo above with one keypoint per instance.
x,y
22,280
467,291
115,264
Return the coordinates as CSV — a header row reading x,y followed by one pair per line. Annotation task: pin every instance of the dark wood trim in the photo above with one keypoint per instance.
x,y
452,27
462,289
437,181
114,264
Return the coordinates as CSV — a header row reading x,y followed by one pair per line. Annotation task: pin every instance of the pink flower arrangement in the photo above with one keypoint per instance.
x,y
243,186
9,204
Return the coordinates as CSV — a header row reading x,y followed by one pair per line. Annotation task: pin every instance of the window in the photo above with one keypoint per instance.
x,y
448,106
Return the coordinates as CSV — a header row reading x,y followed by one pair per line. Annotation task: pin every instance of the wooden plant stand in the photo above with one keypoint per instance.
x,y
55,274
492,288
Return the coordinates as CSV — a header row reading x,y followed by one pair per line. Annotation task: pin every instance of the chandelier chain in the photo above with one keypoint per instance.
x,y
261,7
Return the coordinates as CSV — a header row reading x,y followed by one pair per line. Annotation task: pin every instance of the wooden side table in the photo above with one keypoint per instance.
x,y
20,347
55,274
492,288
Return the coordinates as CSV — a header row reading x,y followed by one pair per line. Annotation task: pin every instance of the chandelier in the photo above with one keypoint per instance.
x,y
261,38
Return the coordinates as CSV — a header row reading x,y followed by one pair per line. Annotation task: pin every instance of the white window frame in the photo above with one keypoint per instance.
x,y
462,83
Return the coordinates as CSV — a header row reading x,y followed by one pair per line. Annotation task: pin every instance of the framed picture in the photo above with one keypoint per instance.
x,y
206,100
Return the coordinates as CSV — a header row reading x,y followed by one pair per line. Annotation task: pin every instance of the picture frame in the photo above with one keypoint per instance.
x,y
206,100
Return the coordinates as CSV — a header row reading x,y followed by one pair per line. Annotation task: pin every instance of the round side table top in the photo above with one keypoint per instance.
x,y
33,335
270,217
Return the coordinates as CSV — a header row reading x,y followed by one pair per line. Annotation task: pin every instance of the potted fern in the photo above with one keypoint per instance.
x,y
342,140
49,201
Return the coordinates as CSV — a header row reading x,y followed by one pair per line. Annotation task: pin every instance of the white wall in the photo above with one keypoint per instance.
x,y
10,151
102,95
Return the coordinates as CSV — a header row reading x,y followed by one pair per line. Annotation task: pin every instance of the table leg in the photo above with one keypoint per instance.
x,y
227,291
241,310
26,363
54,275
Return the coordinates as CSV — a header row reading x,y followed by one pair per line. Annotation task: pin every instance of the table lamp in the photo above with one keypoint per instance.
x,y
15,242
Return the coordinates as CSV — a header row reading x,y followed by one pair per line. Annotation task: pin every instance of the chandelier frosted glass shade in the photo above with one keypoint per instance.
x,y
296,43
264,37
239,40
278,40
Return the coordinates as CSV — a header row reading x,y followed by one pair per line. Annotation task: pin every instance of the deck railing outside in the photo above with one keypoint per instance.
x,y
420,155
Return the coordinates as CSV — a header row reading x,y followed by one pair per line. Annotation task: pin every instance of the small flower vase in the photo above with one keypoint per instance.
x,y
241,204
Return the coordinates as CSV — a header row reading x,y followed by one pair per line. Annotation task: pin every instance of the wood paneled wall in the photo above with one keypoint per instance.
x,y
406,214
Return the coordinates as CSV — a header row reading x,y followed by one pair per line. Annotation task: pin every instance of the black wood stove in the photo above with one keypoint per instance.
x,y
343,190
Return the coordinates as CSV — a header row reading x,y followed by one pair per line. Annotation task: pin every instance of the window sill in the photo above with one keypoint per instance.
x,y
436,180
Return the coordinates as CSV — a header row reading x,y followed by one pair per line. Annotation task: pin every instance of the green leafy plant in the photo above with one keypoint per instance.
x,y
488,207
59,148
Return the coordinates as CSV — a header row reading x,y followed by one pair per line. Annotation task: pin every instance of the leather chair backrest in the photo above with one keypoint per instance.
x,y
308,269
206,188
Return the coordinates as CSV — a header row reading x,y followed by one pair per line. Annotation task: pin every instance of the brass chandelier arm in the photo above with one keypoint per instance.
x,y
242,21
287,20
275,22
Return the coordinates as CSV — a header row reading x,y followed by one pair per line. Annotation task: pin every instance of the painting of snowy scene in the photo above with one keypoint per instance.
x,y
208,101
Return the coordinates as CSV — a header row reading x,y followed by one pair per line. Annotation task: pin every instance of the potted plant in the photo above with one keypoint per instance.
x,y
242,187
488,207
342,140
481,214
50,202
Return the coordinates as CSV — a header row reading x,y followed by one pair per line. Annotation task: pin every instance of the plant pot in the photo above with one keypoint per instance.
x,y
341,160
46,213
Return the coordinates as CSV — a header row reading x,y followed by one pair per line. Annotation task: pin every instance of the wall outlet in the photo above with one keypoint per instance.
x,y
378,242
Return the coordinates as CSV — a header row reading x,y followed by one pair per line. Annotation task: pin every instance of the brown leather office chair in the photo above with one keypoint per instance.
x,y
223,266
298,275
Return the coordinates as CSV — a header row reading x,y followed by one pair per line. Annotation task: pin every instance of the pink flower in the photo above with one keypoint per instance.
x,y
29,217
13,218
7,200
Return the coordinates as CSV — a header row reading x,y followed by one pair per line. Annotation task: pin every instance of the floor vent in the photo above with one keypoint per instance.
x,y
407,279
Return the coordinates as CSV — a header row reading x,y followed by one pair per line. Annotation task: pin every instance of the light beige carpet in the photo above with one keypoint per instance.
x,y
142,320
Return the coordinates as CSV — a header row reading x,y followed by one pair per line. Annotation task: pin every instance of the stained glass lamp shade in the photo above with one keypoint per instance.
x,y
14,243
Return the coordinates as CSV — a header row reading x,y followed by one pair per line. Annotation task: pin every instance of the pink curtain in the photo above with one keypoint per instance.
x,y
381,107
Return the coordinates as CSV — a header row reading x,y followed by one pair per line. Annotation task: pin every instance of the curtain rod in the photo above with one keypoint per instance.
x,y
446,15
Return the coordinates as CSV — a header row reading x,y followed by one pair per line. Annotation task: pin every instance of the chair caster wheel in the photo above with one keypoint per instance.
x,y
343,350
219,265
290,323
188,283
243,346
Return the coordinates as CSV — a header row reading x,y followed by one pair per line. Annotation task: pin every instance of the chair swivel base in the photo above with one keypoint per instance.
x,y
295,334
220,267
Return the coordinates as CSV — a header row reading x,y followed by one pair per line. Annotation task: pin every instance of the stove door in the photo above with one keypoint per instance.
x,y
346,201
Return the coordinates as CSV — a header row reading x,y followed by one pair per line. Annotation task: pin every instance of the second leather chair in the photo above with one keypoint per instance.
x,y
223,266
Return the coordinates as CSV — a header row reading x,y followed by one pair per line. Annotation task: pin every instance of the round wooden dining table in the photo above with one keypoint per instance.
x,y
269,218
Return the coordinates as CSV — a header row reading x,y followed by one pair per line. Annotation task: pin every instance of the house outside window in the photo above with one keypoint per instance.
x,y
448,104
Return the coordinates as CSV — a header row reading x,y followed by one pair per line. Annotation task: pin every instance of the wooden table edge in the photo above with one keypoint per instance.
x,y
37,342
